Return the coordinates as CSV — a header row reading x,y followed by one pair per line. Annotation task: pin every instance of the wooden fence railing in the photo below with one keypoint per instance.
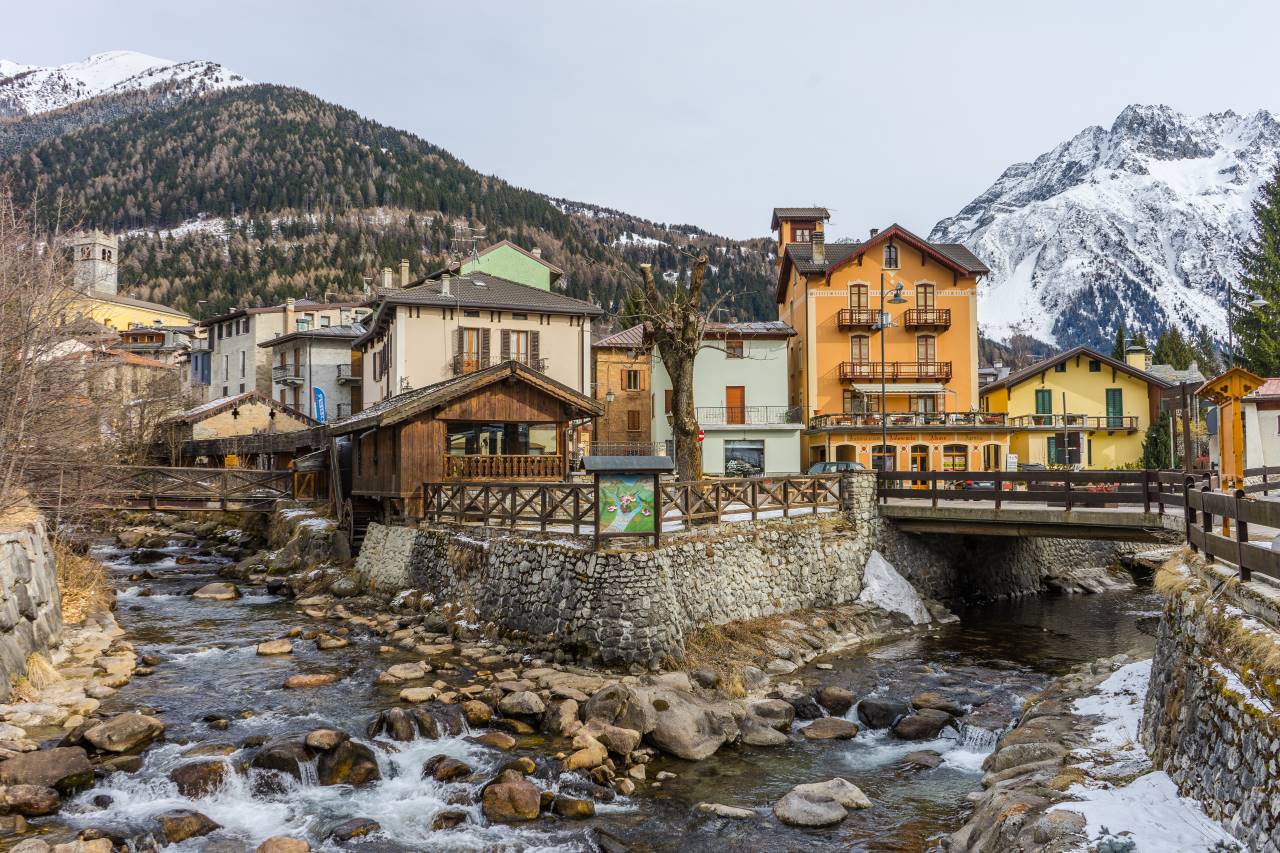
x,y
1270,480
571,507
146,487
503,467
1203,506
1064,488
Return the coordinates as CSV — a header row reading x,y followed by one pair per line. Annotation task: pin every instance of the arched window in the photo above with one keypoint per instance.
x,y
890,256
858,297
860,349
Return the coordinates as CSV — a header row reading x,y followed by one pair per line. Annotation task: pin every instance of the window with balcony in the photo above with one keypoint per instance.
x,y
1044,401
927,349
860,349
926,297
858,297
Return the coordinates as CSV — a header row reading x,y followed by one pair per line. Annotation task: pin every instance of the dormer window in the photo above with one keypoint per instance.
x,y
803,235
890,256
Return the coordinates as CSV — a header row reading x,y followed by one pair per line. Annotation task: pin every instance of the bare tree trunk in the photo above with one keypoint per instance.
x,y
684,421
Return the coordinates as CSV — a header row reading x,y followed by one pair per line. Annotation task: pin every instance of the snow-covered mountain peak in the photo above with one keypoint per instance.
x,y
30,89
1140,222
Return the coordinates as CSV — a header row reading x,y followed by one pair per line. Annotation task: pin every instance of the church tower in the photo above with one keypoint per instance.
x,y
95,256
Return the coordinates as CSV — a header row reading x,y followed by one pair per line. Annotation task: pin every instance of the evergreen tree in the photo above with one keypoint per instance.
x,y
1156,448
1173,349
1206,353
1257,334
1117,351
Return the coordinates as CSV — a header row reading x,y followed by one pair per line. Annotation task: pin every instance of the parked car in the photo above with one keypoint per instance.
x,y
835,467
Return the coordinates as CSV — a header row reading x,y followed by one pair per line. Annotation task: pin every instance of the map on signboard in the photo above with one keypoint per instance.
x,y
626,503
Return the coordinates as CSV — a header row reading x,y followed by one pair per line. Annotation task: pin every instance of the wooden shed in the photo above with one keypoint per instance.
x,y
507,422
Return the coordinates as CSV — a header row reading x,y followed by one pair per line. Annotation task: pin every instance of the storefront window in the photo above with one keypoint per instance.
x,y
955,457
884,457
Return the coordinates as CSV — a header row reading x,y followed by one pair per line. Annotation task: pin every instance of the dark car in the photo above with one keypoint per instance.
x,y
835,467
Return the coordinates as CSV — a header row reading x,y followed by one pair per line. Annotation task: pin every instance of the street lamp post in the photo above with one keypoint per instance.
x,y
1255,303
882,324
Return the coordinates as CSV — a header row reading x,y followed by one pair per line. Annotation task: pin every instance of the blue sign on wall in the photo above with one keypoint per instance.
x,y
321,413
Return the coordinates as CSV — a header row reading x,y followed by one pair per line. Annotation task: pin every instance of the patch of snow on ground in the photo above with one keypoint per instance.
x,y
883,587
1149,808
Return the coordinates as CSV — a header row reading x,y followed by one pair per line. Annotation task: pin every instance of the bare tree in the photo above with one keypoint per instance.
x,y
677,321
47,411
141,397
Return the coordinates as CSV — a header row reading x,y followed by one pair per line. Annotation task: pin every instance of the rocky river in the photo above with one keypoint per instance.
x,y
224,705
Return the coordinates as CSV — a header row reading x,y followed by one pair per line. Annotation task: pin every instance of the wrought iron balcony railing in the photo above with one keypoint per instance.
x,y
287,374
346,375
747,415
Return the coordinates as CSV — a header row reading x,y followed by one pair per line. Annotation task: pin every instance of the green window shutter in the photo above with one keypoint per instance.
x,y
1044,401
1115,407
1053,450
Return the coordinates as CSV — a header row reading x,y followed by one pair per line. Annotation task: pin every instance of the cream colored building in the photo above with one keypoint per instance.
x,y
436,328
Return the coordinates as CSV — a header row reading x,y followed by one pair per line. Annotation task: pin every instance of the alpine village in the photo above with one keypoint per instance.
x,y
351,499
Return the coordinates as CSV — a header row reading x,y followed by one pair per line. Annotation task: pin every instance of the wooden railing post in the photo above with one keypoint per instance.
x,y
755,499
786,498
1188,511
542,512
1066,485
1206,519
933,489
997,480
1242,536
1146,491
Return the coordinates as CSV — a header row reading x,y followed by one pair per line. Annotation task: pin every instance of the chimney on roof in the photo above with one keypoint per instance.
x,y
386,277
818,247
875,231
444,285
404,272
1137,356
289,303
536,251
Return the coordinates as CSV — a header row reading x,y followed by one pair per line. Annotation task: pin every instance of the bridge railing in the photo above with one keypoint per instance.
x,y
1067,489
1203,506
139,486
1265,480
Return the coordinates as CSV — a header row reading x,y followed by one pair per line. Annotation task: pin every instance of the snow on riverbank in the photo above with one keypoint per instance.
x,y
1148,809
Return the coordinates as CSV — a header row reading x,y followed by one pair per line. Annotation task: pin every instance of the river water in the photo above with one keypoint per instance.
x,y
208,668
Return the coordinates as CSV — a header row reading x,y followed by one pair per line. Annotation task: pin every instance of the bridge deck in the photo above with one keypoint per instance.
x,y
139,487
1031,519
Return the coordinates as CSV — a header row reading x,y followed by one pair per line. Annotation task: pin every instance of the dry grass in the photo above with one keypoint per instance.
x,y
82,581
1172,579
40,672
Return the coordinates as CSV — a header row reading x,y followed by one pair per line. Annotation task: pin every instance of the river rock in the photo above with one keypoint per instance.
x,y
345,588
275,647
180,824
30,800
1059,823
757,732
418,695
1018,754
620,705
615,738
880,713
841,790
830,728
511,799
349,763
311,679
923,758
589,753
573,808
774,712
283,844
721,810
66,769
96,845
327,642
522,703
836,701
684,725
797,809
442,768
323,740
408,671
199,778
356,827
125,733
477,713
561,718
806,707
217,591
938,702
283,756
921,725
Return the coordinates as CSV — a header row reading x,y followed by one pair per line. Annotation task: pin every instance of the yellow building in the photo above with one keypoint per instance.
x,y
95,260
1078,408
831,294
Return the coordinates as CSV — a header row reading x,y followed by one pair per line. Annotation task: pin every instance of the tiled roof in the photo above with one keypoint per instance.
x,y
298,305
138,360
759,329
1019,376
627,338
222,404
781,213
1269,388
963,257
1173,376
348,332
801,255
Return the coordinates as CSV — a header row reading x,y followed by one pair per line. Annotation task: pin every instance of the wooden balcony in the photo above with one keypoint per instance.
x,y
913,420
504,467
856,318
895,371
927,318
1060,422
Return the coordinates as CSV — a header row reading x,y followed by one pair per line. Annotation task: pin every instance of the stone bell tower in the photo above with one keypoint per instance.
x,y
95,257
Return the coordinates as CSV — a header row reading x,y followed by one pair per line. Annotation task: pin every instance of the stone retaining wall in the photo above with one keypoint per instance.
x,y
30,605
622,606
1212,715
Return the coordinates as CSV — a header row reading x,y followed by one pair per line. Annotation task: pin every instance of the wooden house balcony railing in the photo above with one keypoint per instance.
x,y
893,371
856,318
927,318
504,467
1075,421
471,363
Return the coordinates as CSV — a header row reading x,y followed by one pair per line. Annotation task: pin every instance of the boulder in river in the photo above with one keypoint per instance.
x,y
924,724
479,713
312,679
616,739
877,712
758,732
283,844
124,733
927,758
448,819
523,703
356,827
180,824
275,647
836,701
620,705
830,728
199,778
839,789
349,763
217,591
938,702
29,800
588,753
511,799
66,769
774,712
323,740
283,755
721,810
561,718
797,809
442,768
573,808
685,725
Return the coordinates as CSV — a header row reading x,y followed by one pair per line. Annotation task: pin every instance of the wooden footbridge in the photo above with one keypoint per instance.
x,y
137,487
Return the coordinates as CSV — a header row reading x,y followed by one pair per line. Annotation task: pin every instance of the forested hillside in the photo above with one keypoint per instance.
x,y
253,194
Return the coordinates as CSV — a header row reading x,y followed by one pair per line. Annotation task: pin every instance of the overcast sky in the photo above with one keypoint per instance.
x,y
712,113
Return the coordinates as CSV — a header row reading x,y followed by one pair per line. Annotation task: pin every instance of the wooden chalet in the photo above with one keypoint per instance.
x,y
506,422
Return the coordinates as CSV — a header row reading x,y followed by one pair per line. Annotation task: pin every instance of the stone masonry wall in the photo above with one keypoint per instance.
x,y
30,606
1212,715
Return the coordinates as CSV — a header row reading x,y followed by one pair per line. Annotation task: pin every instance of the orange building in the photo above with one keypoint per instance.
x,y
831,294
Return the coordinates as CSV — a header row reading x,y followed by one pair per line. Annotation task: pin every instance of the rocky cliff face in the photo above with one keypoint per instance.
x,y
1140,222
30,607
